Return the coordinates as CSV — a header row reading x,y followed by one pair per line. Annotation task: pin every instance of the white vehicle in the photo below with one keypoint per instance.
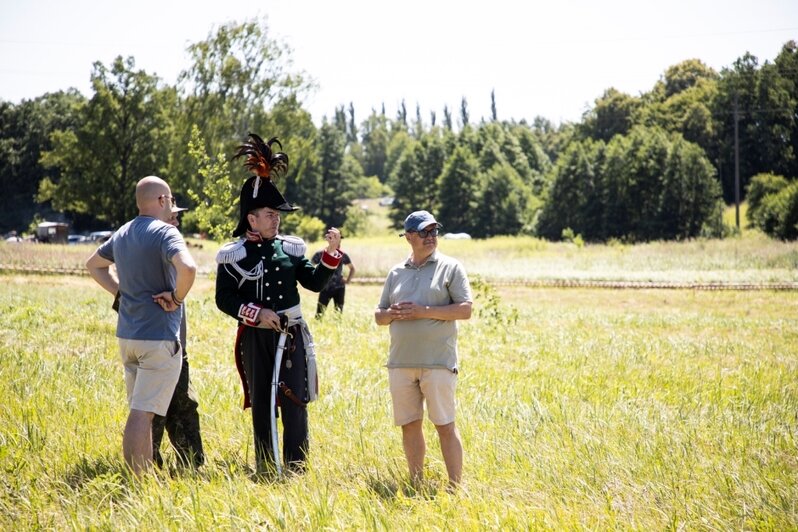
x,y
457,236
100,236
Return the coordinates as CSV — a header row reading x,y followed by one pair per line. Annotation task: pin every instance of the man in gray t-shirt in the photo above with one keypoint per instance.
x,y
154,273
421,300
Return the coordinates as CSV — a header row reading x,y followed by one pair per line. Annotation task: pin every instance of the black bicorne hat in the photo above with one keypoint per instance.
x,y
267,196
259,190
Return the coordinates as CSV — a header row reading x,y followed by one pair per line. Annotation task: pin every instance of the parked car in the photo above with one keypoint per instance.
x,y
100,236
76,239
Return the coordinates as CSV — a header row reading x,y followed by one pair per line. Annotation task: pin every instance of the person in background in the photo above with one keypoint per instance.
x,y
336,287
421,300
182,419
155,273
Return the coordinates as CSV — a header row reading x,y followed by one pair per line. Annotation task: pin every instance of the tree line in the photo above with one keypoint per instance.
x,y
659,165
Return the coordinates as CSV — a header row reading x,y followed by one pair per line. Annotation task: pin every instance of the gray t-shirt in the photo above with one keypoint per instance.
x,y
425,343
142,250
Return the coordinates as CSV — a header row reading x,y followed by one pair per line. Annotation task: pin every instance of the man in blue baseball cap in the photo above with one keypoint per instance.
x,y
421,300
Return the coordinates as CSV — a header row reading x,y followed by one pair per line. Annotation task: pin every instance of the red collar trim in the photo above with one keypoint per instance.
x,y
253,236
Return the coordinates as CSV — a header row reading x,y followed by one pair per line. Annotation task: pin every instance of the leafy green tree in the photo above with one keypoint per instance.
x,y
762,186
298,136
398,141
631,175
375,146
433,155
683,102
357,222
552,139
775,119
490,155
447,118
357,185
351,131
24,134
464,116
537,161
414,181
336,193
457,192
574,198
408,183
506,204
642,186
787,65
689,112
217,210
418,124
778,214
765,115
612,115
339,120
123,136
401,116
690,195
236,75
685,75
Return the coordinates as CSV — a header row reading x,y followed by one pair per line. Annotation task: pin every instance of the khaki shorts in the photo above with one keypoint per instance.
x,y
152,368
410,387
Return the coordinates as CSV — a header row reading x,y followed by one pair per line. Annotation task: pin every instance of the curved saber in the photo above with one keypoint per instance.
x,y
278,359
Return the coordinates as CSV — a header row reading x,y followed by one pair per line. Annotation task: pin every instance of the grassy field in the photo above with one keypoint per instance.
x,y
643,409
751,258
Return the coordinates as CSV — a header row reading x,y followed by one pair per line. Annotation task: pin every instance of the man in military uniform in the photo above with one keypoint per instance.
x,y
256,283
182,419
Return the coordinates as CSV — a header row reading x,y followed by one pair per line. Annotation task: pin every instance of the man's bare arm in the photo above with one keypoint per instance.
x,y
186,270
99,269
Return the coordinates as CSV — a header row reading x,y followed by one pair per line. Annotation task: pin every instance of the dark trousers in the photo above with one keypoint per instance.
x,y
181,423
258,347
336,294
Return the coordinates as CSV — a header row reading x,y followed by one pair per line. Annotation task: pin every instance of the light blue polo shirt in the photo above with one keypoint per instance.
x,y
425,343
142,251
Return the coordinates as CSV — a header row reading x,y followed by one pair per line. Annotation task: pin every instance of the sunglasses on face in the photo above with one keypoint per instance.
x,y
170,198
424,233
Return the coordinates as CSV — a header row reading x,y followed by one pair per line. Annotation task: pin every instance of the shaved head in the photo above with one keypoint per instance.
x,y
154,198
148,190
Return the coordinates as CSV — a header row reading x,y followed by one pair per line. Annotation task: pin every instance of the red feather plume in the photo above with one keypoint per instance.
x,y
261,159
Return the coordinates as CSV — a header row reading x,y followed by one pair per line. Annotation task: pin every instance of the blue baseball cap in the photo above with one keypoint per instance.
x,y
416,221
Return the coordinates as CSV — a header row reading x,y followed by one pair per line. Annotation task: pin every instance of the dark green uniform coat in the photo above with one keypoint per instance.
x,y
266,274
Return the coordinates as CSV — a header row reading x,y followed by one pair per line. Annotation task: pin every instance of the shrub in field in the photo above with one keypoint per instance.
x,y
489,305
773,206
307,227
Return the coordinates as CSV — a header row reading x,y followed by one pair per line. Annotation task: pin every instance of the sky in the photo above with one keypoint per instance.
x,y
548,58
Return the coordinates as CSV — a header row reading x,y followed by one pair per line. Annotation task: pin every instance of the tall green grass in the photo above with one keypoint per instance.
x,y
598,409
